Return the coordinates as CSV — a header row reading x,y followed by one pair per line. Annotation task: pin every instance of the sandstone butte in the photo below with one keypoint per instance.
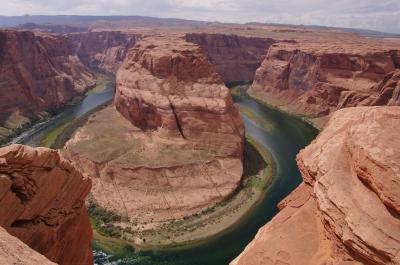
x,y
347,209
316,78
38,73
42,209
171,145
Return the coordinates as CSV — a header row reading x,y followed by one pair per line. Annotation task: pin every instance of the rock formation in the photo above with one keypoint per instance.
x,y
235,58
38,73
42,203
14,251
167,84
318,78
103,49
347,209
175,145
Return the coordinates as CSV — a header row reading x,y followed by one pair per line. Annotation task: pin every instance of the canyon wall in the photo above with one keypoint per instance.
x,y
347,209
105,50
235,58
173,144
42,199
38,73
318,78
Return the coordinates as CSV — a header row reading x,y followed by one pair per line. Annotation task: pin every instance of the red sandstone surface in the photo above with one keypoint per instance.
x,y
14,251
346,211
42,204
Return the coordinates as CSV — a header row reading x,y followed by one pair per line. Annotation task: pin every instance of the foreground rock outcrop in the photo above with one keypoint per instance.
x,y
318,78
347,209
235,58
38,73
173,144
14,251
42,204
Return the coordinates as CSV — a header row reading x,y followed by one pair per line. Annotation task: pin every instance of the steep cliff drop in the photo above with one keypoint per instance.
x,y
235,58
39,73
42,204
347,209
316,79
173,144
105,50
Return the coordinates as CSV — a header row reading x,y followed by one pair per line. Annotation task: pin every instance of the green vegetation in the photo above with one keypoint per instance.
x,y
99,88
102,219
113,246
261,98
51,136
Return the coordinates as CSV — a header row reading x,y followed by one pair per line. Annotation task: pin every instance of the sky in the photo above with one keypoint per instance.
x,y
382,15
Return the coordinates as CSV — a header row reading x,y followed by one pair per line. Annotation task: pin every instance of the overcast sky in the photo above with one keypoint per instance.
x,y
381,15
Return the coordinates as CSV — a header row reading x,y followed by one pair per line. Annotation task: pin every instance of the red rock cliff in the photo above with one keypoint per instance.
x,y
235,58
318,78
103,49
42,203
37,73
346,211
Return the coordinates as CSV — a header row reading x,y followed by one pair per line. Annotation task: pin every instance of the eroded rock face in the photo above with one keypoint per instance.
x,y
103,49
38,73
235,58
42,203
318,78
168,85
346,211
386,92
175,145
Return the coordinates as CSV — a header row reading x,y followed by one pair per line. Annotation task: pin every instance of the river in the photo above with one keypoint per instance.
x,y
40,131
281,134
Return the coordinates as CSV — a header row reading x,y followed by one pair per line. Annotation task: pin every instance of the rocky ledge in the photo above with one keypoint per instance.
x,y
347,209
42,204
173,144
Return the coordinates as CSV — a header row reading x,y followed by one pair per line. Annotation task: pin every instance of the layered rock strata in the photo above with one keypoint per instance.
x,y
318,78
38,73
347,209
42,204
235,58
172,145
105,50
